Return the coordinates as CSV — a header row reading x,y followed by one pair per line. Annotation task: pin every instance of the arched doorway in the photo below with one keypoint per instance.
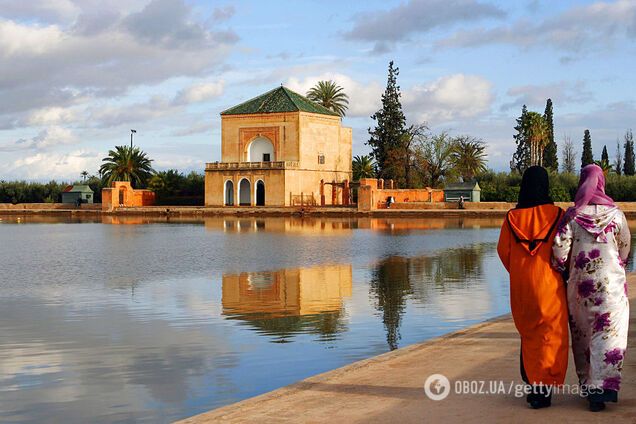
x,y
122,196
260,193
260,150
245,198
229,193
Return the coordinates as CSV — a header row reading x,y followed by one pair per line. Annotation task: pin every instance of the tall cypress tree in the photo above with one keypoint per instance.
x,y
587,157
604,155
630,166
550,159
390,129
618,160
521,158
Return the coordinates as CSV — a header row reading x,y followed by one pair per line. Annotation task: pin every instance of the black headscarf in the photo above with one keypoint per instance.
x,y
535,188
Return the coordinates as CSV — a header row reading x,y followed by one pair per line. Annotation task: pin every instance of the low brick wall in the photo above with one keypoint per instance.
x,y
48,206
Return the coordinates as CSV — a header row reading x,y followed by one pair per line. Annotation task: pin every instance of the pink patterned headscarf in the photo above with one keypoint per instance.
x,y
592,188
592,192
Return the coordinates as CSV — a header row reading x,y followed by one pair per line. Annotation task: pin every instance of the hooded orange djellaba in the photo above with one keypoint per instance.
x,y
537,292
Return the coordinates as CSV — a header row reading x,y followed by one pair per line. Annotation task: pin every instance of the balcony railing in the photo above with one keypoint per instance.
x,y
251,165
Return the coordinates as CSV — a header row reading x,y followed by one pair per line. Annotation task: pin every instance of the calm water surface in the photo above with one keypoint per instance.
x,y
131,320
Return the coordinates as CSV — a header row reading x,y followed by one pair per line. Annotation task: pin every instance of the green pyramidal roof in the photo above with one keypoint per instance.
x,y
278,100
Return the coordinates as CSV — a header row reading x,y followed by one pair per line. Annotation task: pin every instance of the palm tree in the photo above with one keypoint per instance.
x,y
468,156
84,175
363,167
330,95
604,165
126,164
537,136
166,183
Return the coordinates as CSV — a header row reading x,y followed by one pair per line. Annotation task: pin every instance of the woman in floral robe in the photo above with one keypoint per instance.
x,y
592,245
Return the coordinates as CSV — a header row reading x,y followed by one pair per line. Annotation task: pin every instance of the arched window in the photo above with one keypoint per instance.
x,y
229,193
260,193
260,150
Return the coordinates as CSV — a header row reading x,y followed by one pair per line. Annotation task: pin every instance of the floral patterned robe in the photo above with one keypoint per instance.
x,y
592,246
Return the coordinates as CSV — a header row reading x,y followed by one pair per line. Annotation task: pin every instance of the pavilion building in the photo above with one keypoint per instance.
x,y
280,149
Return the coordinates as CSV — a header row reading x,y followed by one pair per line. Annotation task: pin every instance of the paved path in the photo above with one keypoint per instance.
x,y
389,388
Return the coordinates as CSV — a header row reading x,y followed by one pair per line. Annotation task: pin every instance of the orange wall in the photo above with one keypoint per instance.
x,y
47,206
370,197
132,197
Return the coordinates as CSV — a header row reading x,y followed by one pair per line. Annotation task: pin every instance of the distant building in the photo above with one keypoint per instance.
x,y
275,151
79,191
120,194
470,190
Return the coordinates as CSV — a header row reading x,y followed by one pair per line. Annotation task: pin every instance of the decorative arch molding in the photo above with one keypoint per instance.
x,y
247,135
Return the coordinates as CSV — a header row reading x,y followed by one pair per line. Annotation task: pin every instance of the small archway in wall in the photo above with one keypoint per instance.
x,y
245,198
260,193
122,196
229,193
260,149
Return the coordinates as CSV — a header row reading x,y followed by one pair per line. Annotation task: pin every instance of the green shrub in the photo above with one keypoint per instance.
x,y
504,187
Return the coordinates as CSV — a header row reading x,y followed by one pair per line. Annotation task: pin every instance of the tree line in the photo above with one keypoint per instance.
x,y
412,155
124,163
535,145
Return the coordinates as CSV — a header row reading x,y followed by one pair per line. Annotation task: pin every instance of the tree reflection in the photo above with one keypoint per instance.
x,y
391,285
396,278
282,329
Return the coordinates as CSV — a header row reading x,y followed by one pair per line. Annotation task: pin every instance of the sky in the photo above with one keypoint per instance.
x,y
77,75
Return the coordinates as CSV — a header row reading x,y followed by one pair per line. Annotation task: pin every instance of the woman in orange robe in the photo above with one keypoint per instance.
x,y
537,292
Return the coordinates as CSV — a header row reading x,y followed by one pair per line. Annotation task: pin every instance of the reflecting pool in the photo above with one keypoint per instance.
x,y
137,319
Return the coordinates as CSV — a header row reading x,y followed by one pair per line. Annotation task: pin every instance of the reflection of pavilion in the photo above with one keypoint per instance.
x,y
342,226
288,301
304,226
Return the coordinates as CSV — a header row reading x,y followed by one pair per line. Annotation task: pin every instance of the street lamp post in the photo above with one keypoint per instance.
x,y
131,137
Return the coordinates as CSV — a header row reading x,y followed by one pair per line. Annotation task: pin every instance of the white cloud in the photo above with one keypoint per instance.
x,y
577,29
417,16
175,161
55,65
449,98
364,98
199,92
535,95
205,126
21,40
48,166
51,116
44,140
223,13
42,10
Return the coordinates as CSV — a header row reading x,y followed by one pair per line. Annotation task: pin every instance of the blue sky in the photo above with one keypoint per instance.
x,y
77,75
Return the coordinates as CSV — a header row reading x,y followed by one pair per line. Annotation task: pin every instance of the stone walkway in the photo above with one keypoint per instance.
x,y
389,388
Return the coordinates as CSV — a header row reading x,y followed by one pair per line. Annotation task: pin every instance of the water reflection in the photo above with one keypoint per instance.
x,y
150,323
61,364
289,301
397,278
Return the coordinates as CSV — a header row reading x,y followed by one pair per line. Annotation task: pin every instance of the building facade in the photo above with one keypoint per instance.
x,y
77,192
275,151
